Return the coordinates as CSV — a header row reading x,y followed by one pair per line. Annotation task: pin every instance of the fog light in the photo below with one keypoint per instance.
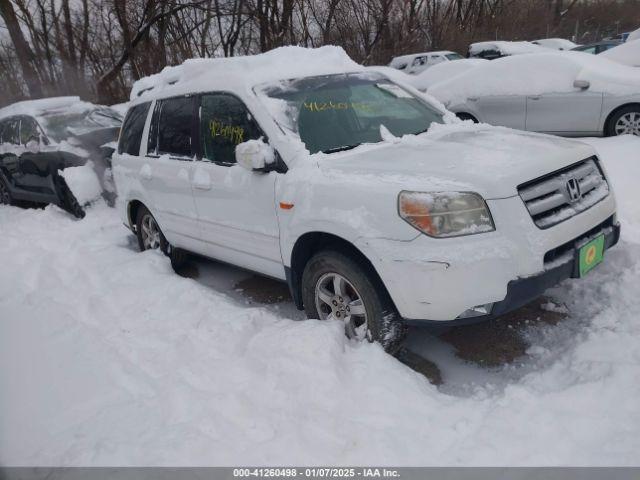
x,y
477,311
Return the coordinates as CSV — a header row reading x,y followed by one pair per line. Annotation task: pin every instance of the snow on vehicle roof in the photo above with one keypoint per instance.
x,y
443,71
556,43
625,53
411,56
235,73
505,48
535,74
39,107
635,35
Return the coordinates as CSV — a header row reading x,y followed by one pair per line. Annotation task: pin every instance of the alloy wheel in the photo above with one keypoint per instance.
x,y
150,233
628,124
337,299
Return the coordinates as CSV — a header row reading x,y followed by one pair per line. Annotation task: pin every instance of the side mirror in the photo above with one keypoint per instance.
x,y
255,155
582,84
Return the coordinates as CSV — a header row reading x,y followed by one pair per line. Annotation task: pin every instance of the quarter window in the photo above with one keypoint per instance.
x,y
175,116
132,128
224,123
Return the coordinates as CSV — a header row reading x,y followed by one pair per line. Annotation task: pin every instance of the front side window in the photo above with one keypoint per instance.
x,y
225,122
29,130
132,128
338,112
453,56
175,117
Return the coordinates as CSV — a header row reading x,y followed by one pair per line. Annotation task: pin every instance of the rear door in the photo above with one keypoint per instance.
x,y
168,167
501,110
236,207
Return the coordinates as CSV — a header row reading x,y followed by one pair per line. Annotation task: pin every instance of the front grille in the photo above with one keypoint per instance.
x,y
565,193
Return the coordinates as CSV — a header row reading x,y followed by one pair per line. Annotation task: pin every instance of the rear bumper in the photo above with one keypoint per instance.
x,y
523,290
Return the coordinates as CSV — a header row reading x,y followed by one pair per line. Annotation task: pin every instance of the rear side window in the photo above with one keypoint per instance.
x,y
224,123
173,130
10,131
132,128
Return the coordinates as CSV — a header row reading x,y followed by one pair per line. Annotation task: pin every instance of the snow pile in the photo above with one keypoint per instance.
x,y
442,72
535,74
278,64
635,35
556,43
505,48
83,182
626,53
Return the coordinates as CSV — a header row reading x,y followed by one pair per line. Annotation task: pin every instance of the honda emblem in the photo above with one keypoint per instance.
x,y
573,189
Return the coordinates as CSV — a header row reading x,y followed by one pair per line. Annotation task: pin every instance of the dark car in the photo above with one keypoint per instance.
x,y
39,138
598,47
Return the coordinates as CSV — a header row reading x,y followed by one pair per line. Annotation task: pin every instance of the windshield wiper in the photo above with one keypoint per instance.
x,y
342,148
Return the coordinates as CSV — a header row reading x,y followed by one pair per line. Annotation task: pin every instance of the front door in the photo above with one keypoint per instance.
x,y
236,207
576,112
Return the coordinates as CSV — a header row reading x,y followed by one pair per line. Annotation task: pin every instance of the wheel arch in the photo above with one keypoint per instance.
x,y
613,112
311,243
133,206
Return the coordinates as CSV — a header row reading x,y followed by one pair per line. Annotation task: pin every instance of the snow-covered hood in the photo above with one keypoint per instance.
x,y
487,160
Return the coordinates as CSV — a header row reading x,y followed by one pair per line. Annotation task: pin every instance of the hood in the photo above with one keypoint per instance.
x,y
491,161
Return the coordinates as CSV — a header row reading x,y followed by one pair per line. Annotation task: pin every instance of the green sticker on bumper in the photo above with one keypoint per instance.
x,y
591,255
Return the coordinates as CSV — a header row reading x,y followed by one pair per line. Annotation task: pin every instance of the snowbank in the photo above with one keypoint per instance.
x,y
109,358
521,75
626,53
443,71
83,182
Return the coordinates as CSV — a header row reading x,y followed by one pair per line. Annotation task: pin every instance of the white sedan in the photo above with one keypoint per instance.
x,y
563,93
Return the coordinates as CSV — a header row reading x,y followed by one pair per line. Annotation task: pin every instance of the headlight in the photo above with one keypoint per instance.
x,y
445,214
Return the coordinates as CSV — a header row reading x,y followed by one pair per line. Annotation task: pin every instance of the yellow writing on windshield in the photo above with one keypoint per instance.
x,y
232,133
322,106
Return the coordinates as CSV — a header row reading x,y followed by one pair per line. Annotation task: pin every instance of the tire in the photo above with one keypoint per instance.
x,y
148,231
358,289
624,121
145,222
5,194
467,116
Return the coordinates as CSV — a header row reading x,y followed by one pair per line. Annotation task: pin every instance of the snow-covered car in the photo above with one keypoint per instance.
x,y
499,49
562,93
40,139
625,53
442,72
376,206
556,43
419,62
598,47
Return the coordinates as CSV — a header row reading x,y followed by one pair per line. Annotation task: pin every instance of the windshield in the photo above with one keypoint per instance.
x,y
61,126
338,112
454,56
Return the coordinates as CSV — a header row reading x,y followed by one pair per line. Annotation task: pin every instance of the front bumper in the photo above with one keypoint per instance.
x,y
523,290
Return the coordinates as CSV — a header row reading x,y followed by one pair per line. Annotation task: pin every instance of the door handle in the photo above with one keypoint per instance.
x,y
201,179
535,97
145,172
473,99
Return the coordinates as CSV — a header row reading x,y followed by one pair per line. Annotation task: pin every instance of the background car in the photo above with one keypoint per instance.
x,y
563,93
556,43
499,49
418,62
41,138
443,71
597,47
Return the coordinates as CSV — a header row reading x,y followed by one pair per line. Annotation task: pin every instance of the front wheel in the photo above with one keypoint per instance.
x,y
625,122
147,230
335,287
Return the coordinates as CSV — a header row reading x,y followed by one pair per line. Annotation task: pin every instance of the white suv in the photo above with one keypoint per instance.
x,y
303,166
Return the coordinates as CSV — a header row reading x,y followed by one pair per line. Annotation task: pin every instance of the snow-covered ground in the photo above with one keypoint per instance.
x,y
109,358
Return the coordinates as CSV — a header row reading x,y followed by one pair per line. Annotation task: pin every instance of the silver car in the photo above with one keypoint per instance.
x,y
562,93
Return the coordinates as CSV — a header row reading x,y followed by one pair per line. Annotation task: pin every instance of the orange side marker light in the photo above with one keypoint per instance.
x,y
286,206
